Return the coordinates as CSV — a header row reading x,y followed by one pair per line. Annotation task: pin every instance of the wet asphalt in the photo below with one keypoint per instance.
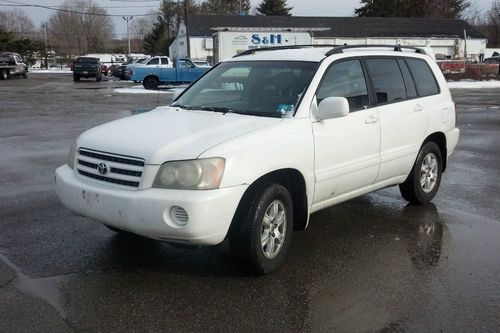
x,y
373,264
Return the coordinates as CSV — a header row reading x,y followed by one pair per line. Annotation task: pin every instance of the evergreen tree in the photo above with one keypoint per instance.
x,y
274,8
157,41
412,8
225,7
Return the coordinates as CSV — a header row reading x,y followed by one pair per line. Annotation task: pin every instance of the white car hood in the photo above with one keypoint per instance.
x,y
169,133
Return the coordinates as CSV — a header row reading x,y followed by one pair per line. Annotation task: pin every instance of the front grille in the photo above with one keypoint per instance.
x,y
110,168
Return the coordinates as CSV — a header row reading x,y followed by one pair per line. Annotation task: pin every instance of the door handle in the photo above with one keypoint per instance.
x,y
418,108
371,120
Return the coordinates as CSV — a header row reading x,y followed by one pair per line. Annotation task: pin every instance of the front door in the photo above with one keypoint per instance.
x,y
347,150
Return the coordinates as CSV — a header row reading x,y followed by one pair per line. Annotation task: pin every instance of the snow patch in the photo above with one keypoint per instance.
x,y
49,71
141,90
492,84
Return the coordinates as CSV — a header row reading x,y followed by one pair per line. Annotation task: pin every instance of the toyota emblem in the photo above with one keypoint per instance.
x,y
102,168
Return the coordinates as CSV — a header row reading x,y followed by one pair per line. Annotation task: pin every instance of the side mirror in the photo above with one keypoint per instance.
x,y
332,107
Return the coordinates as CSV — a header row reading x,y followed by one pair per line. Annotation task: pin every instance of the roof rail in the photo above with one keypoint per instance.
x,y
286,47
396,48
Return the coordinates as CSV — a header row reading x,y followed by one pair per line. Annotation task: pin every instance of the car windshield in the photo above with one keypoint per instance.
x,y
87,60
260,88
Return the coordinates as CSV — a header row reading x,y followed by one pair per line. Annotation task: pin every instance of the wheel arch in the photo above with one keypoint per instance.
x,y
440,139
293,181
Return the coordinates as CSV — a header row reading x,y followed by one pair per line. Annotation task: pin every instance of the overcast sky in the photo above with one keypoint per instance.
x,y
301,8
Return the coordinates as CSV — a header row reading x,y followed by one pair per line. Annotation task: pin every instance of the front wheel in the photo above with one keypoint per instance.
x,y
4,75
260,239
424,179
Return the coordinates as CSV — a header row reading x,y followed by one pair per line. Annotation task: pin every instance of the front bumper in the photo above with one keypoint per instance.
x,y
147,212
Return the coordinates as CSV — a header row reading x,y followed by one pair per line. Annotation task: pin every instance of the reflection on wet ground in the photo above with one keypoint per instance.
x,y
373,264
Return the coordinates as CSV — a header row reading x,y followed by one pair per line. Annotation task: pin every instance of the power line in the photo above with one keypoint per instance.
x,y
104,7
21,4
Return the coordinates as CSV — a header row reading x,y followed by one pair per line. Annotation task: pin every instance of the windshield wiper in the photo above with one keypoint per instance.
x,y
185,107
217,109
262,114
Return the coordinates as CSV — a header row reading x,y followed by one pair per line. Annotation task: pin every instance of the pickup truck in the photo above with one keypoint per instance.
x,y
12,64
184,71
87,67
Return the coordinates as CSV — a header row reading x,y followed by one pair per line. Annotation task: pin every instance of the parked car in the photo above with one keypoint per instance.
x,y
12,64
493,61
183,72
104,69
87,67
263,140
121,72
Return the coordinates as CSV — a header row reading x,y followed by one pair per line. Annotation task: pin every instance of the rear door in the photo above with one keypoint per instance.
x,y
346,149
403,116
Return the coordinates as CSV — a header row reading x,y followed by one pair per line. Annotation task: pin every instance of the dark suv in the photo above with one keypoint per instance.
x,y
87,67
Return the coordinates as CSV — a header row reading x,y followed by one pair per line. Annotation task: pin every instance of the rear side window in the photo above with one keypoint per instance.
x,y
164,61
155,61
387,80
411,90
345,79
424,79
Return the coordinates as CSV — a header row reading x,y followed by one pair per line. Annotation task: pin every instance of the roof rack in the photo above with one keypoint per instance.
x,y
286,47
396,48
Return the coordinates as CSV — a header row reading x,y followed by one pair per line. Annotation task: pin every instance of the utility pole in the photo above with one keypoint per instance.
x,y
128,19
46,50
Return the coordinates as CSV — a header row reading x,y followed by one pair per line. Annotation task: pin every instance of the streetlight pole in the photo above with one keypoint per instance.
x,y
128,19
44,25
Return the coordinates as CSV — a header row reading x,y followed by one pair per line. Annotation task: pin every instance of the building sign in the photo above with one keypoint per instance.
x,y
234,42
268,39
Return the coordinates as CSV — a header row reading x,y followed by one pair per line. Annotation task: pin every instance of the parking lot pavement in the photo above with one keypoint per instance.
x,y
370,264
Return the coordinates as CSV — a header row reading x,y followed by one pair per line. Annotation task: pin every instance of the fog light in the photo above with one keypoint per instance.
x,y
179,216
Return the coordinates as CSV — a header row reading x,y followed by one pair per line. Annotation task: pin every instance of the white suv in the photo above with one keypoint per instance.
x,y
263,140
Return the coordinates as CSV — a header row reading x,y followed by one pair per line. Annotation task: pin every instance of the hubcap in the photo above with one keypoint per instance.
x,y
273,229
429,173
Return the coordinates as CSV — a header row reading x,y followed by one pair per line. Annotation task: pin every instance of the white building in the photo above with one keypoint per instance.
x,y
216,37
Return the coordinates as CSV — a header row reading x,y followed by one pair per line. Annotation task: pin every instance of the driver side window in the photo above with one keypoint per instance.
x,y
345,79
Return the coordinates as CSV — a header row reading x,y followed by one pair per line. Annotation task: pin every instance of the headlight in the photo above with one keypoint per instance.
x,y
202,174
71,155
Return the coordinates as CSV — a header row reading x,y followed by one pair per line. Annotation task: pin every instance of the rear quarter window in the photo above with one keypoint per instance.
x,y
423,77
387,80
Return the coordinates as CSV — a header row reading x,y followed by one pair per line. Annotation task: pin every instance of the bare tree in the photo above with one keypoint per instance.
x,y
17,22
141,26
82,27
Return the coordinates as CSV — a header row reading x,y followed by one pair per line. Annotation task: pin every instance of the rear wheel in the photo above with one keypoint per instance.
x,y
424,179
260,239
150,83
98,78
4,75
76,78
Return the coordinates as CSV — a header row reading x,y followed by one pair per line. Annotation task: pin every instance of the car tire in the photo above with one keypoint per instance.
x,y
76,78
3,75
98,78
424,179
262,230
150,83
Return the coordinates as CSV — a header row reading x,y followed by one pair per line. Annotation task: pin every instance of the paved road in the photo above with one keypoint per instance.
x,y
370,264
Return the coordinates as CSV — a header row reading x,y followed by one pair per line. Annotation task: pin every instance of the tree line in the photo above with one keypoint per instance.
x,y
82,26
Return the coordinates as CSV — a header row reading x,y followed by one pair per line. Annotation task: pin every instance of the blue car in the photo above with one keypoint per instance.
x,y
184,71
